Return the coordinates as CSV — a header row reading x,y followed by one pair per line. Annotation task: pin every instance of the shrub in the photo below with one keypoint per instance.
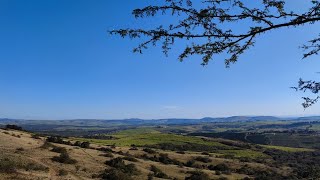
x,y
158,173
113,146
190,163
35,136
7,166
220,167
55,139
205,153
119,164
114,174
150,151
164,158
77,143
105,149
129,158
85,145
63,172
59,149
108,154
203,159
180,152
133,148
46,145
20,149
198,175
64,158
36,167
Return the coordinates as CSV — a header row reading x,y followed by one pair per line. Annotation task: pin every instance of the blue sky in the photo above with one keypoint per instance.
x,y
58,62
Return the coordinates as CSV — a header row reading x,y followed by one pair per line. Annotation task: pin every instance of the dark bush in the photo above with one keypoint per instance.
x,y
190,163
7,166
55,139
36,167
46,145
64,158
198,175
203,159
85,145
14,127
180,152
205,153
115,174
105,149
77,143
59,149
220,167
63,172
150,151
133,148
130,158
158,173
108,154
20,149
119,164
35,136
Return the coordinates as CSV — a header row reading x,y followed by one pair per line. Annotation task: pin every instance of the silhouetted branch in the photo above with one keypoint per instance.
x,y
204,29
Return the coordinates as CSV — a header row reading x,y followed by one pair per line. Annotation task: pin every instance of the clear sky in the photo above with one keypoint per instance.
x,y
58,62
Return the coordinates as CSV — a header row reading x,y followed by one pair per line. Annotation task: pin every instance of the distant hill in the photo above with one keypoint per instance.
x,y
140,122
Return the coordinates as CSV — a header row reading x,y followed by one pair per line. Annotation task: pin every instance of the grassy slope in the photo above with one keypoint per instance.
x,y
148,136
287,149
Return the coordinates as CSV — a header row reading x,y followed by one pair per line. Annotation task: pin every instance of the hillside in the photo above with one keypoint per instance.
x,y
144,153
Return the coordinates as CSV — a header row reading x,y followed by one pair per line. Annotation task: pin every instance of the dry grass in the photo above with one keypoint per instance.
x,y
90,162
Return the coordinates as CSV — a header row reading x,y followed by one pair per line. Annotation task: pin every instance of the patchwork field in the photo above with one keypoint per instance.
x,y
147,153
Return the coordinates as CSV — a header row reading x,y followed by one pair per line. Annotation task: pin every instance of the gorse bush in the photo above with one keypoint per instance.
x,y
63,172
8,166
203,159
59,149
198,175
35,136
115,174
158,173
130,158
64,158
108,154
119,164
36,167
150,151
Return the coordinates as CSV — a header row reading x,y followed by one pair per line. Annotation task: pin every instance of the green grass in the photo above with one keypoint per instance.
x,y
243,153
315,127
287,149
148,136
137,131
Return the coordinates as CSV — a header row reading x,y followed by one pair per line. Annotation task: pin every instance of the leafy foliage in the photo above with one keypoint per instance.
x,y
210,29
204,27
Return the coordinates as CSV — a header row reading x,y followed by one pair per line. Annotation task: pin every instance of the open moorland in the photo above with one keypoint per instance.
x,y
206,150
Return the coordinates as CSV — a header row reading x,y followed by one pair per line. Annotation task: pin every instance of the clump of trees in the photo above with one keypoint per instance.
x,y
186,147
59,140
14,127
